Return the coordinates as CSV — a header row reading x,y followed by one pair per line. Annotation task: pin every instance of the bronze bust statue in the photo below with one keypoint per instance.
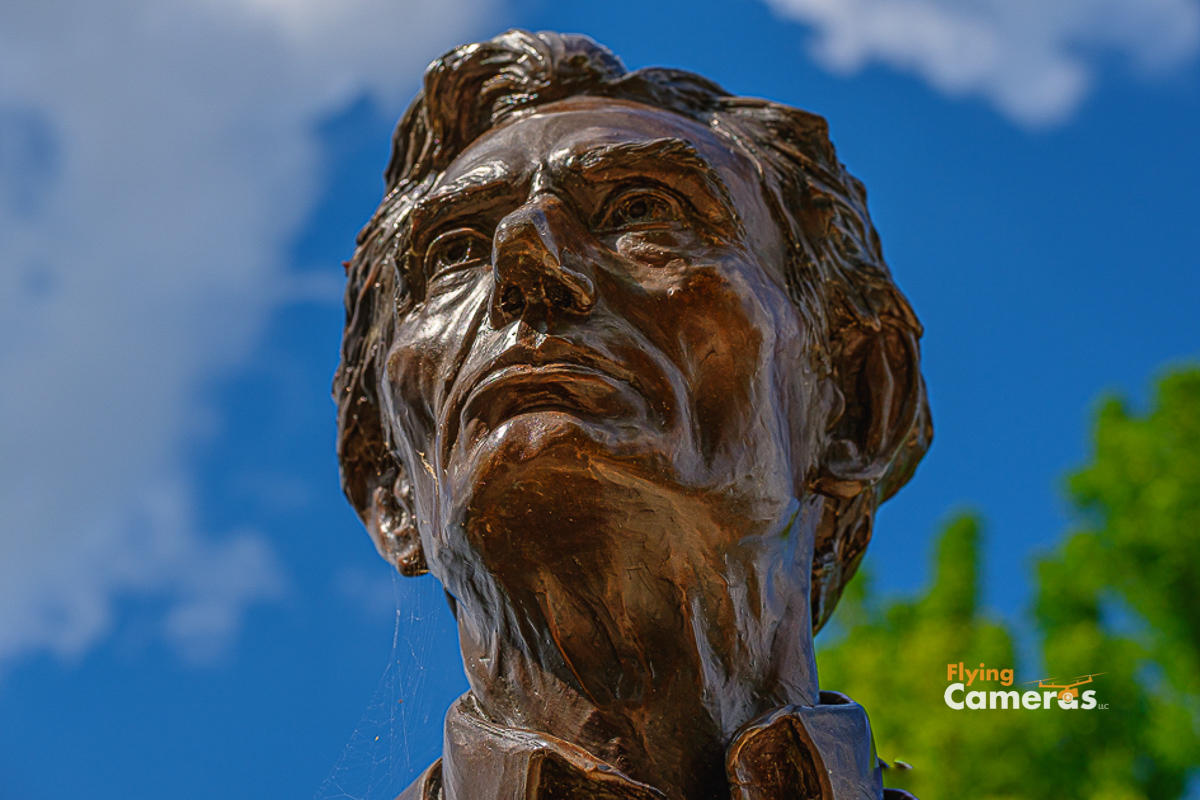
x,y
624,368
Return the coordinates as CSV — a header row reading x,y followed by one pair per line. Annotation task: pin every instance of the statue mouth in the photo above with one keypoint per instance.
x,y
570,388
565,379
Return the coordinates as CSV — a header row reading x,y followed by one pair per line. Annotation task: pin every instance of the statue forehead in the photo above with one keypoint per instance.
x,y
550,135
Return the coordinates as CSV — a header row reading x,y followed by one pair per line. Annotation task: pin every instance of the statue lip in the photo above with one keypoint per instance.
x,y
570,387
556,375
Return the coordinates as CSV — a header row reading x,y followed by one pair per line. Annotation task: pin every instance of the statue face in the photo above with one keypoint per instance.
x,y
601,350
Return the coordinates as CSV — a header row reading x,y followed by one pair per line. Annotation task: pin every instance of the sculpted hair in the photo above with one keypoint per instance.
x,y
835,270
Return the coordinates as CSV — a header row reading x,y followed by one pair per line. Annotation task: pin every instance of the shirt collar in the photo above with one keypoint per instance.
x,y
795,752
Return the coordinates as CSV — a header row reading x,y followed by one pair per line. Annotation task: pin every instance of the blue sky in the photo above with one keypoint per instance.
x,y
188,608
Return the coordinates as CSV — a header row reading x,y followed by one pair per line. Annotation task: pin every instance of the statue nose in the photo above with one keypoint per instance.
x,y
536,269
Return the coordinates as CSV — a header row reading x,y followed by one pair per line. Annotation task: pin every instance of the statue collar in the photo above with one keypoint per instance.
x,y
825,751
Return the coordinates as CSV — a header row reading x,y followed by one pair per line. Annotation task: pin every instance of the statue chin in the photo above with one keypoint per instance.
x,y
554,477
547,456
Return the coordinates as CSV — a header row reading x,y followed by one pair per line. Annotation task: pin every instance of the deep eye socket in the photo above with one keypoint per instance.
x,y
457,249
640,209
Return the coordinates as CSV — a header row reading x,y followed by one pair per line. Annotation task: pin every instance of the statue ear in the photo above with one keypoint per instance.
x,y
392,523
878,428
882,400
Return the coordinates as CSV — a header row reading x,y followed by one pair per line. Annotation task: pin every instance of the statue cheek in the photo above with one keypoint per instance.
x,y
744,354
426,353
410,383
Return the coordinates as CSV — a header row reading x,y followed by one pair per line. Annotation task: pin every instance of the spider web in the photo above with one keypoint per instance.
x,y
400,734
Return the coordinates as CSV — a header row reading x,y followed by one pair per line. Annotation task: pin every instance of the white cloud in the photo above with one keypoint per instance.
x,y
1032,59
155,159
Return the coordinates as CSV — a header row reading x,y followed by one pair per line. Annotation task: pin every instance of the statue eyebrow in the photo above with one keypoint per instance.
x,y
629,159
492,183
483,182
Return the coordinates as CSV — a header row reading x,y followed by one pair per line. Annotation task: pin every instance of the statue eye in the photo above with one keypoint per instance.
x,y
456,249
640,208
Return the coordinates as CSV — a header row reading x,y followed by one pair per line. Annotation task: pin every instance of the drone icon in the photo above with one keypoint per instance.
x,y
1067,693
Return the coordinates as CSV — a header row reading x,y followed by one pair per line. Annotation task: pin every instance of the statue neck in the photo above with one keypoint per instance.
x,y
650,657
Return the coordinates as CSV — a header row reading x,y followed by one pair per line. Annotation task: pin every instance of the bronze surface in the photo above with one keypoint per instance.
x,y
625,369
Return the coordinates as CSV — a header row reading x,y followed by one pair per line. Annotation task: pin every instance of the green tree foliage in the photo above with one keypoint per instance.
x,y
1141,543
1127,585
892,658
1119,596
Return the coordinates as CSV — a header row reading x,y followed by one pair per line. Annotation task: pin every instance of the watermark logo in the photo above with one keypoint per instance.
x,y
1067,693
1067,690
